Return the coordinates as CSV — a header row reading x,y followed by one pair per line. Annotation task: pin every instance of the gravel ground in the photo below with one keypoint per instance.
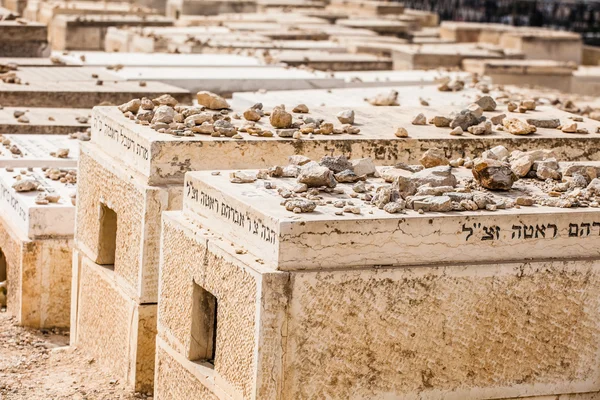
x,y
40,365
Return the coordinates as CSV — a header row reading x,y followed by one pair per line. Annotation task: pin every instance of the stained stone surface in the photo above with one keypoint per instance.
x,y
251,215
34,220
84,94
45,121
35,151
163,158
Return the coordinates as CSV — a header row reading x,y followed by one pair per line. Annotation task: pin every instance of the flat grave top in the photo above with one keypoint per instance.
x,y
281,18
76,7
100,58
161,158
13,31
386,78
45,120
38,151
410,96
111,20
333,236
291,3
587,72
65,74
31,61
82,93
170,31
229,80
458,49
461,25
55,219
530,67
529,33
210,73
376,24
243,43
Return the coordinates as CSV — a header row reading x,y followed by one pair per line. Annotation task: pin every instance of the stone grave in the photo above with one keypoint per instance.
x,y
381,26
36,237
544,44
21,38
227,80
38,151
586,81
48,121
332,61
178,8
427,56
132,173
366,7
412,96
103,59
85,94
499,296
87,32
546,73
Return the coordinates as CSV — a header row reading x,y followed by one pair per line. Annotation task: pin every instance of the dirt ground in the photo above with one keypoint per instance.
x,y
39,365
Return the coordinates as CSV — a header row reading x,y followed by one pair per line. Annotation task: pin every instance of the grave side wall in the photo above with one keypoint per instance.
x,y
114,329
456,332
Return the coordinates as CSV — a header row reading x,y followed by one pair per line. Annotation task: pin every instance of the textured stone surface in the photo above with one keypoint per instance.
x,y
113,328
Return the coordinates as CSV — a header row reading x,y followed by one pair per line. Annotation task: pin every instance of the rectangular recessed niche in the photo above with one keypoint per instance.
x,y
108,236
204,326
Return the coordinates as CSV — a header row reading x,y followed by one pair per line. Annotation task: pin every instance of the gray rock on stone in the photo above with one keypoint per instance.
x,y
433,204
549,123
336,163
436,176
419,119
465,119
493,174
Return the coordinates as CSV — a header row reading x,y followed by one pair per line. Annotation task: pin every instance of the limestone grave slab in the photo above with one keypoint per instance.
x,y
586,81
47,11
264,5
231,44
31,61
71,32
450,55
408,95
400,78
366,7
381,26
104,59
228,80
546,73
177,8
65,74
442,309
28,39
34,220
163,159
544,44
35,151
282,18
45,120
322,239
333,61
85,94
473,31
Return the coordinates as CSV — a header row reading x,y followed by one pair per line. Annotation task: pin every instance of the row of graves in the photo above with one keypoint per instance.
x,y
338,234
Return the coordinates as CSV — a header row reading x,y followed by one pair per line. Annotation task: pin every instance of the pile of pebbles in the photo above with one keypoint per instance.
x,y
213,116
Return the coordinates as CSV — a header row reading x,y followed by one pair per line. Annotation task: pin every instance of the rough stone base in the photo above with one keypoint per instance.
x,y
112,327
38,278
